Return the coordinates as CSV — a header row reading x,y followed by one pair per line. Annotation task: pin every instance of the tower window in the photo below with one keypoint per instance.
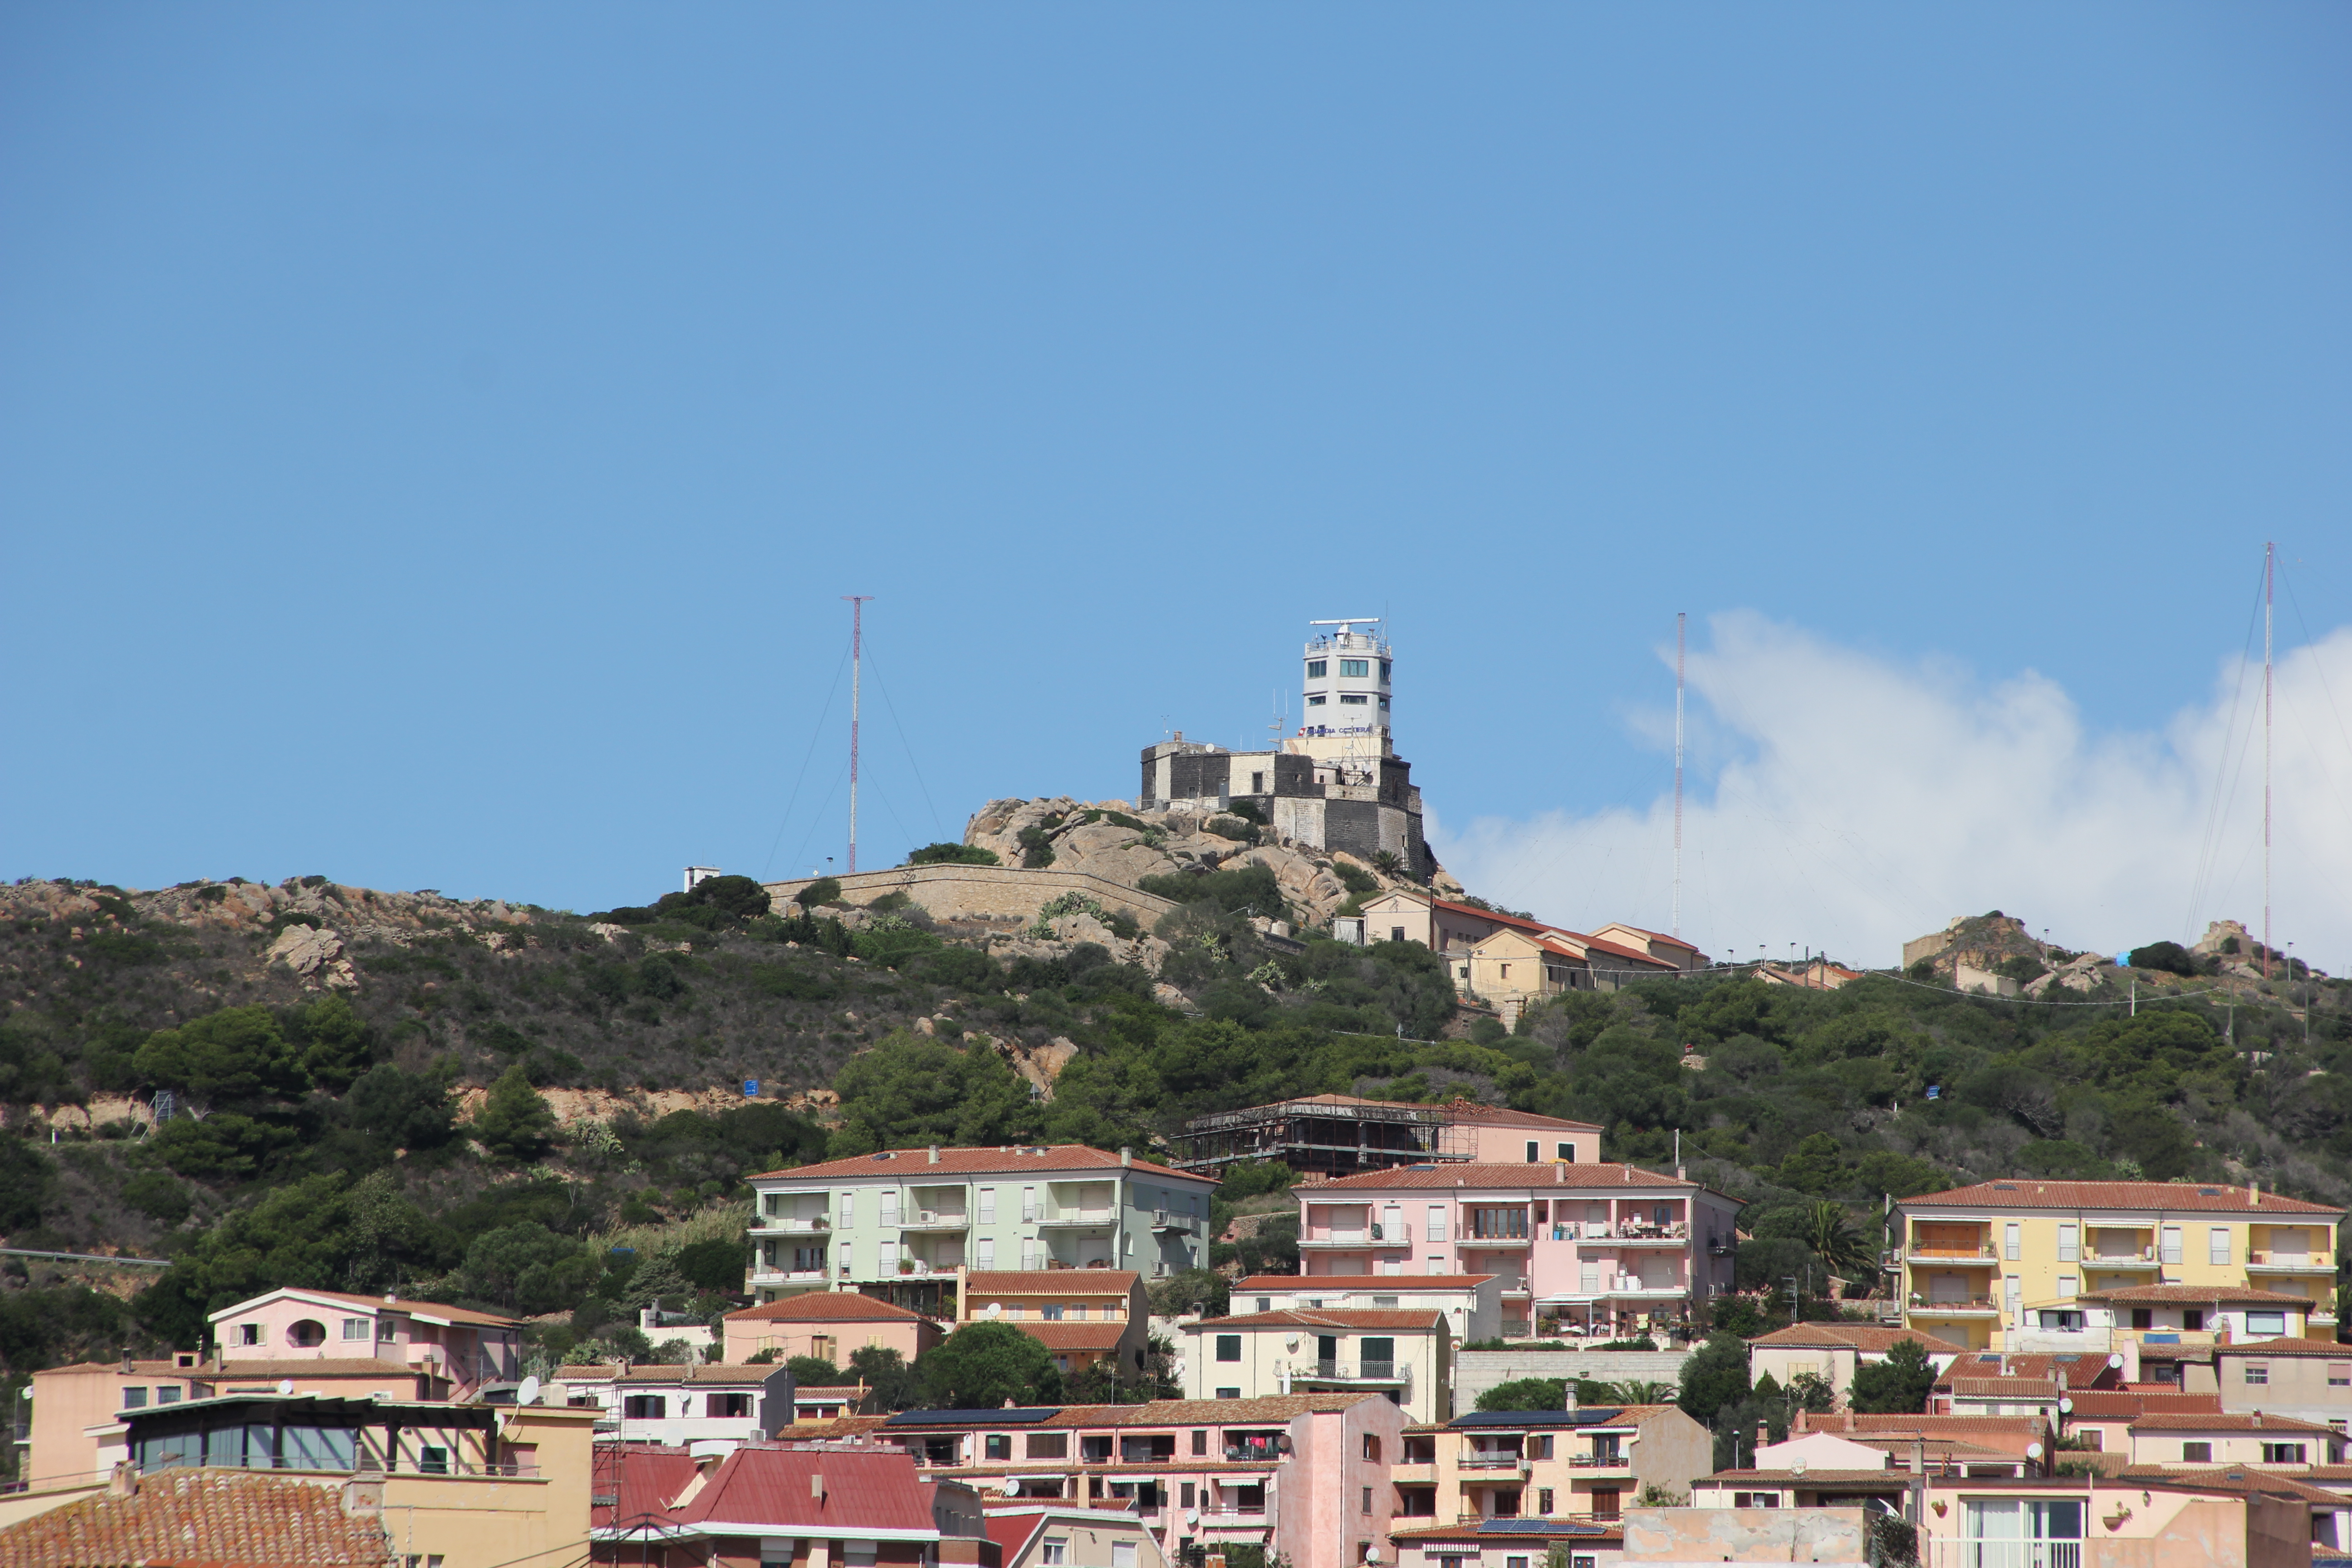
x,y
1316,668
1385,667
1355,667
1350,698
1315,700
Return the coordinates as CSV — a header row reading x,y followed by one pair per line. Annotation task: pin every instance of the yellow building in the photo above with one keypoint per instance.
x,y
2004,1264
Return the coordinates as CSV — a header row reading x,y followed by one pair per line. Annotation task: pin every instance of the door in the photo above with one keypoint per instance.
x,y
1327,1354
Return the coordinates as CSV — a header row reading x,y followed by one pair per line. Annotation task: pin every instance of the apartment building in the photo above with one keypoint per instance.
x,y
900,1223
1040,1535
1404,1355
1472,1303
1082,1316
682,1405
455,1345
1587,1465
1589,1249
1304,1476
2009,1265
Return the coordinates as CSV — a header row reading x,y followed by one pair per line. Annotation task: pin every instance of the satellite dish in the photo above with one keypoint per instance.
x,y
1192,1517
1372,1555
2115,1360
1290,1342
284,1385
995,1310
1010,1486
529,1392
2066,1407
2033,1450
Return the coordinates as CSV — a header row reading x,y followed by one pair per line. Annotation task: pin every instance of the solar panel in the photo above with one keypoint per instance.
x,y
1555,1529
1536,1418
1019,1415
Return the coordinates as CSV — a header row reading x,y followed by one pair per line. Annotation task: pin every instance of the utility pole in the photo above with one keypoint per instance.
x,y
1676,929
856,657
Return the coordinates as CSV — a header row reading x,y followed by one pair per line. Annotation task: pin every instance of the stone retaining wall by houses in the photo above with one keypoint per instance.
x,y
1003,894
1475,1372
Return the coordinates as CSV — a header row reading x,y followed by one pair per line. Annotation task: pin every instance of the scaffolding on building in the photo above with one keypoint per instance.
x,y
1328,1135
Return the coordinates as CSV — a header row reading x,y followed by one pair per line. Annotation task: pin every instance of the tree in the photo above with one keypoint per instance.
x,y
27,1176
527,1267
885,1371
716,1264
230,1056
813,1371
1194,1292
513,1121
404,1110
1898,1385
909,1090
1817,1165
1526,1394
335,1044
2168,957
1715,1376
823,890
1833,1238
946,854
982,1365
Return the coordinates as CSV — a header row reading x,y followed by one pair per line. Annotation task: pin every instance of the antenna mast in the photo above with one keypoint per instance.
x,y
1675,930
2270,557
856,657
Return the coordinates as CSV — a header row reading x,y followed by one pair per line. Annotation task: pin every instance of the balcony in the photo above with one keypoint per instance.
x,y
1956,1306
1362,1235
2289,1263
1369,1372
1601,1461
1254,1454
1629,1290
792,1224
2141,1262
763,1275
936,1220
1181,1224
1067,1219
1488,1462
1483,1241
1944,1253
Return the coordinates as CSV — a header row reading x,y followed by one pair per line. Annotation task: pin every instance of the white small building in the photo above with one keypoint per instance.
x,y
1471,1303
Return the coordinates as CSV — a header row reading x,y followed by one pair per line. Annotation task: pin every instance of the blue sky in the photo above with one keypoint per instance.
x,y
434,440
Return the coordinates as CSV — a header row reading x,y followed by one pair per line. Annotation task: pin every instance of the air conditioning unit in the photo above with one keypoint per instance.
x,y
1376,1233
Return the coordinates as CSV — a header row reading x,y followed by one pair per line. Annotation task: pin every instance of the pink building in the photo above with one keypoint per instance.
x,y
779,1505
1590,1248
462,1348
830,1325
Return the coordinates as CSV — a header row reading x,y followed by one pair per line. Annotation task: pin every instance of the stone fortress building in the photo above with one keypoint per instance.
x,y
1337,783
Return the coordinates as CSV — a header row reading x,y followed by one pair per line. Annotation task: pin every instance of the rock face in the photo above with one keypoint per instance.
x,y
316,954
1113,841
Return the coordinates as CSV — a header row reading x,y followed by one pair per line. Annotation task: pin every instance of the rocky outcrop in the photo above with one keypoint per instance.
x,y
316,954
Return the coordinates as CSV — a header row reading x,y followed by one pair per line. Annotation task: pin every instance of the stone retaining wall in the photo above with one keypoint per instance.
x,y
1475,1372
1007,894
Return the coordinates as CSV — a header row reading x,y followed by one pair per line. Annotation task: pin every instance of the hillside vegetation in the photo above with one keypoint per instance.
x,y
472,1102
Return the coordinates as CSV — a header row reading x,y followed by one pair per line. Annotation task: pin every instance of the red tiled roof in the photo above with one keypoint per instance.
x,y
1066,1336
1498,1175
1890,1479
1461,1110
2124,1404
915,1164
2111,1196
2197,1296
217,1515
1382,1282
316,1367
2232,1478
827,1307
2328,1348
1050,1282
427,1310
1854,1336
1474,912
2034,1370
2214,1421
1336,1317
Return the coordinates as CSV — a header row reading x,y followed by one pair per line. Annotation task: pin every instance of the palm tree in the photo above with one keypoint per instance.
x,y
1635,1391
1835,1241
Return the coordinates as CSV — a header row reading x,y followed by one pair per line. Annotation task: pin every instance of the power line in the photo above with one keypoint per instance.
x,y
816,735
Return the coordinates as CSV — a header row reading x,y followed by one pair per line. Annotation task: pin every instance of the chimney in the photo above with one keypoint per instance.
x,y
2257,1420
1763,1441
1559,1175
127,1368
1569,1403
1126,1156
2253,1195
1682,1172
816,1485
935,1154
123,1479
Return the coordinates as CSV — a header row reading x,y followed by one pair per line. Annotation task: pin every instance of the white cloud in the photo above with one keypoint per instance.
x,y
1858,803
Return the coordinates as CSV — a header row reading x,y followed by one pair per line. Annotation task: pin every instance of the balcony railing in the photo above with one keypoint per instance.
x,y
936,1219
1944,1252
793,1224
1231,1511
1166,1219
1950,1553
1360,1372
1601,1461
1253,1453
2291,1262
1338,1236
1076,1216
1954,1306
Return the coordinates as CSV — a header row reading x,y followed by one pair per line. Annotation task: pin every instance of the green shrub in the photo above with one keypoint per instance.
x,y
1037,851
1239,830
823,890
946,854
2166,957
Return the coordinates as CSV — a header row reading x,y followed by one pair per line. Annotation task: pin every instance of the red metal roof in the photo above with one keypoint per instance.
x,y
640,1480
765,1490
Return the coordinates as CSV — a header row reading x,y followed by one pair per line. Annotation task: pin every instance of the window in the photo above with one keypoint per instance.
x,y
1531,1142
1437,1266
2284,1453
1540,1446
2195,1453
2265,1322
2143,1317
1385,1303
1371,1448
1052,1313
988,1252
2257,1373
1604,1502
1543,1501
1229,1394
1354,699
1355,667
1257,783
1200,1445
731,1406
997,1446
1437,1229
1229,1347
1316,668
1058,1551
2339,1374
357,1329
2169,1244
1365,1506
1386,665
2217,1246
2013,1240
988,1205
2070,1243
2193,1319
1028,1207
248,1333
1396,934
889,1214
134,1399
642,1407
1047,1445
1567,1152
1187,1495
1315,700
169,1394
1122,1554
1755,1499
432,1462
387,1329
2068,1286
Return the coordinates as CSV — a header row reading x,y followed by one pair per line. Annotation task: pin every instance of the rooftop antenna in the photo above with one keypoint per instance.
x,y
1675,930
856,653
2269,553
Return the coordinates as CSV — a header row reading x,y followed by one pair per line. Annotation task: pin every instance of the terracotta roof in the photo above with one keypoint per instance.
x,y
1155,1413
427,1310
1050,1282
1893,1479
215,1515
2007,1388
1332,1318
2079,1371
733,1376
1497,1174
315,1366
1380,1282
1583,1531
2197,1296
865,1490
1474,912
2124,1404
2214,1421
1854,1336
2327,1348
916,1165
1075,1336
2028,1193
1653,935
1462,1110
2232,1478
827,1307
